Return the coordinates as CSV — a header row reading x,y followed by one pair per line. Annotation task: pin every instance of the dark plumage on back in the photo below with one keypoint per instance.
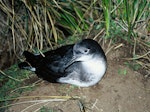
x,y
50,67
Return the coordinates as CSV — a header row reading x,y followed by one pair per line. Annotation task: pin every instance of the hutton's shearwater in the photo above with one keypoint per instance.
x,y
82,64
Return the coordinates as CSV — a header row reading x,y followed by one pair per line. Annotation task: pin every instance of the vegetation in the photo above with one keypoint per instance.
x,y
41,24
37,25
12,84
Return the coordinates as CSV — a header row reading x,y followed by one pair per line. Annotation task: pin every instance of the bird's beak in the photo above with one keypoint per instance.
x,y
74,59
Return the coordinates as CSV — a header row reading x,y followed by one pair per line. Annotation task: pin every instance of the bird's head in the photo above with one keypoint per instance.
x,y
85,50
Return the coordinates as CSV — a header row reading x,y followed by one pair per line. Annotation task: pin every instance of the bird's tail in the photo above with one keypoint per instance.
x,y
30,62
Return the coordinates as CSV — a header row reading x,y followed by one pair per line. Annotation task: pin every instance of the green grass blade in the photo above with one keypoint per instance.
x,y
106,8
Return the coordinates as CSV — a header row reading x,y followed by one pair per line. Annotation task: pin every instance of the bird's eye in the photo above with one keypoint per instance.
x,y
86,50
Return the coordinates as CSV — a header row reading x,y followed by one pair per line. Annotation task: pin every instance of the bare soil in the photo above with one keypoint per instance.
x,y
118,91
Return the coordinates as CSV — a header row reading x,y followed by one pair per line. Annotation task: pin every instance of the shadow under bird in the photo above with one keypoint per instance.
x,y
82,64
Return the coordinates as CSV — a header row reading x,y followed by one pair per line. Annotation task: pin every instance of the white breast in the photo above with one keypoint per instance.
x,y
96,67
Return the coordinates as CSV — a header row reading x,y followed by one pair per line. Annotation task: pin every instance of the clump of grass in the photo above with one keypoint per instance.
x,y
132,15
130,22
12,84
40,24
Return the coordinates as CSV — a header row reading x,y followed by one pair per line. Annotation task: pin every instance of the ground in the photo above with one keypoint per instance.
x,y
120,90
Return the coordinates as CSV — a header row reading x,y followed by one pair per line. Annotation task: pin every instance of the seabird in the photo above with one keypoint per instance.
x,y
82,64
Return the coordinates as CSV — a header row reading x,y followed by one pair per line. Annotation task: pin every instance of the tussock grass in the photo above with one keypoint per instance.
x,y
36,25
40,24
